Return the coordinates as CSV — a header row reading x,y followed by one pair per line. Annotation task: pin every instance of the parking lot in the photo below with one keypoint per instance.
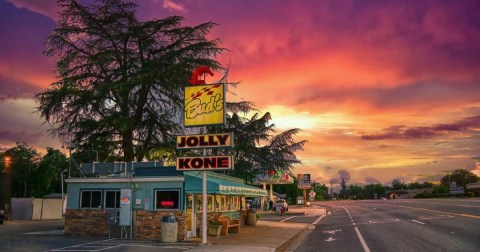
x,y
48,236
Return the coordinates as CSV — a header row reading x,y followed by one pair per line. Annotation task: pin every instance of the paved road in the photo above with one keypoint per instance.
x,y
397,225
31,236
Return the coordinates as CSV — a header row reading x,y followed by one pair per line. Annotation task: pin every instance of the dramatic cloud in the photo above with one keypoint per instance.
x,y
335,181
339,70
170,4
403,132
47,8
20,136
344,174
11,89
371,180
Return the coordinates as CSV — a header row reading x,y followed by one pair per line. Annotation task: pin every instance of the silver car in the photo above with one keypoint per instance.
x,y
279,205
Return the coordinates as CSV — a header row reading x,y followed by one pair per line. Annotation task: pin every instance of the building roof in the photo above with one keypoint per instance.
x,y
220,184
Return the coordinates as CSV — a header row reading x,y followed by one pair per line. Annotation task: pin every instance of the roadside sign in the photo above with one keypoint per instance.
x,y
204,105
204,163
205,141
457,190
304,181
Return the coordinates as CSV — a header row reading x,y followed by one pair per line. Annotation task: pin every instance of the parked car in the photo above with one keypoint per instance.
x,y
252,204
280,205
2,216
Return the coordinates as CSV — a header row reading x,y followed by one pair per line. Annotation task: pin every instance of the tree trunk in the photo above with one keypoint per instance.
x,y
24,189
127,146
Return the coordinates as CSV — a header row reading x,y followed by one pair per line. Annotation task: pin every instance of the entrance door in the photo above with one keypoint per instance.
x,y
191,230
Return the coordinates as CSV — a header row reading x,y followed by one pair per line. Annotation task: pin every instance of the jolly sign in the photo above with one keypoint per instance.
x,y
204,141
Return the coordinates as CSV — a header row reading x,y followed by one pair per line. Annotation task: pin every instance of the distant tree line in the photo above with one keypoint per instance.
x,y
461,177
24,173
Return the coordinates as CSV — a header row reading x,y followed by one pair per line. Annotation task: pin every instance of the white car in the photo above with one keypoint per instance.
x,y
279,204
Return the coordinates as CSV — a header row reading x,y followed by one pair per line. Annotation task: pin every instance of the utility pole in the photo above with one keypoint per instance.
x,y
331,188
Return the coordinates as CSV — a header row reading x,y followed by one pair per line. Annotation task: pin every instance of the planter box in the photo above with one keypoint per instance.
x,y
214,230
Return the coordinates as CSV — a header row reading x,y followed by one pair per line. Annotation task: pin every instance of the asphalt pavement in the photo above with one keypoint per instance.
x,y
396,225
273,232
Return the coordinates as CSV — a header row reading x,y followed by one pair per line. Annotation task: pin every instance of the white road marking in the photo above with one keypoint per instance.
x,y
318,220
79,245
419,222
52,232
436,217
330,239
288,218
447,213
362,241
332,231
383,220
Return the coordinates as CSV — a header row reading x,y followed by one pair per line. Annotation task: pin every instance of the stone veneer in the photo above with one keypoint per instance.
x,y
86,222
148,224
92,222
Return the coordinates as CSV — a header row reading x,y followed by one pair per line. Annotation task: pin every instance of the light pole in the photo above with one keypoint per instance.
x,y
63,197
96,157
7,184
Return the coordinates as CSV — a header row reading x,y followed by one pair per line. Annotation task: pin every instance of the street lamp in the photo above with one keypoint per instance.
x,y
7,183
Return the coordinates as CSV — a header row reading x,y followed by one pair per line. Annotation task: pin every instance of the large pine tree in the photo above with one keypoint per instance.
x,y
120,80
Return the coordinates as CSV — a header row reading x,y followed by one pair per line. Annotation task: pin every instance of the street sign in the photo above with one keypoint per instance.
x,y
457,190
312,195
304,181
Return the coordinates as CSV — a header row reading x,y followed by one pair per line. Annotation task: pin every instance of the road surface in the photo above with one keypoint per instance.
x,y
396,225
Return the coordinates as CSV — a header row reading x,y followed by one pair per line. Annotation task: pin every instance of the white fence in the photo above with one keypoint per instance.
x,y
36,209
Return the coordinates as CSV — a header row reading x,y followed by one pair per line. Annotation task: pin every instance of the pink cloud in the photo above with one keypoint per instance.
x,y
20,136
47,8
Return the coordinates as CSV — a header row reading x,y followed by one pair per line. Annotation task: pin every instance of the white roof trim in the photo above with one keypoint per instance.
x,y
125,180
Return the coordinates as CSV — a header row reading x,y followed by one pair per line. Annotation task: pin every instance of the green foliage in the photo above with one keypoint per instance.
x,y
321,191
398,185
49,170
31,174
23,166
120,80
417,185
257,147
460,176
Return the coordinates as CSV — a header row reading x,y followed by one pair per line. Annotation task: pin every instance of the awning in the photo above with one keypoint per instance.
x,y
220,184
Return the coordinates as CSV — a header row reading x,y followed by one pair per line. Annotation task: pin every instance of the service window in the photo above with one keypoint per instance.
x,y
112,199
91,199
167,200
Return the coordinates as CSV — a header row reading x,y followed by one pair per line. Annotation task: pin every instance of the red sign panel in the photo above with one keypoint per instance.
x,y
204,163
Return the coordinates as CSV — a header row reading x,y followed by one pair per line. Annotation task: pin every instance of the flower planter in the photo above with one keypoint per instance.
x,y
214,230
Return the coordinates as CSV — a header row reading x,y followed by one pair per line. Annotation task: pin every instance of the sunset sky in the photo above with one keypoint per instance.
x,y
381,89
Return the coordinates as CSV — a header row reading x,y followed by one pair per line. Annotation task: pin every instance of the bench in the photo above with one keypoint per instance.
x,y
229,224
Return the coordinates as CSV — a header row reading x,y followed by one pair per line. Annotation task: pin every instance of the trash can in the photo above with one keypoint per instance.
x,y
168,229
251,217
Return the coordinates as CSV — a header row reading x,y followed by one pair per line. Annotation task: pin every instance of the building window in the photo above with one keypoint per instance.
x,y
112,199
167,200
91,199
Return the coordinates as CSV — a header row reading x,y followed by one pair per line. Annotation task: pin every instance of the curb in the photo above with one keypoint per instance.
x,y
284,245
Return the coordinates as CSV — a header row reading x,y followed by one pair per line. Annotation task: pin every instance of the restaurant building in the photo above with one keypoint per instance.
x,y
128,200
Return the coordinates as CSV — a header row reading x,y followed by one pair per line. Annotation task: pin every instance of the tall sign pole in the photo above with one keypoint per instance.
x,y
204,198
204,105
304,183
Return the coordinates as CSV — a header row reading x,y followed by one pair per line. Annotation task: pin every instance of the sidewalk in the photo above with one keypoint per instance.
x,y
265,236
